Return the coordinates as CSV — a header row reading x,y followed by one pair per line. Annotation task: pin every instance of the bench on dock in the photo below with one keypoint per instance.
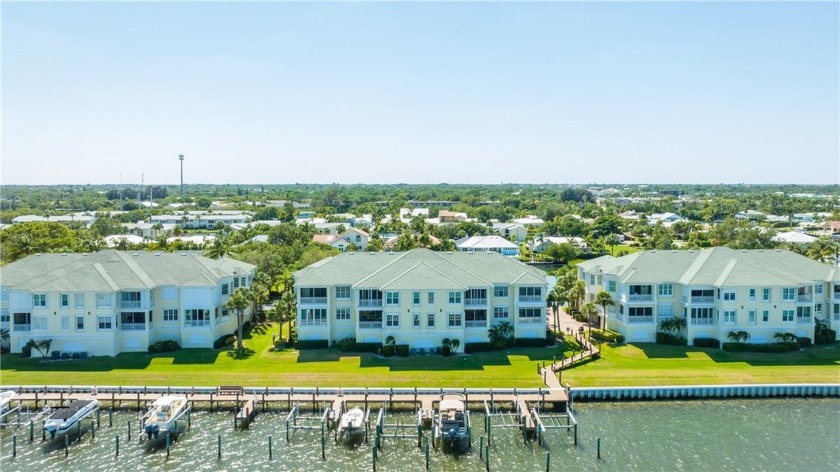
x,y
231,390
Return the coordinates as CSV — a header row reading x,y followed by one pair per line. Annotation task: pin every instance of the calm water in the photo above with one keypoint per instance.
x,y
772,434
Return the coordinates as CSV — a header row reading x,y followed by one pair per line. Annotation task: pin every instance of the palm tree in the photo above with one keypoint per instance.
x,y
784,337
446,343
454,343
501,333
823,249
576,294
561,296
605,300
589,309
667,325
239,301
288,303
390,341
4,334
218,249
259,292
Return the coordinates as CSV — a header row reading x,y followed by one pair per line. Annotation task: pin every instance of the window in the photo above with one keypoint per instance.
x,y
105,323
236,282
765,316
103,300
600,280
342,314
788,294
752,317
500,291
342,292
530,294
243,281
65,300
313,316
80,300
729,296
475,318
416,320
196,317
640,314
430,320
818,309
454,319
500,312
225,289
39,322
431,298
818,289
530,315
591,280
225,312
611,285
803,313
130,299
39,300
765,294
729,317
665,290
5,318
80,323
170,314
415,298
836,311
787,315
702,316
65,323
752,294
216,313
454,297
392,298
392,320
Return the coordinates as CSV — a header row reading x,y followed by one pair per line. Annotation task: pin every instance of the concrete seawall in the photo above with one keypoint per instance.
x,y
705,391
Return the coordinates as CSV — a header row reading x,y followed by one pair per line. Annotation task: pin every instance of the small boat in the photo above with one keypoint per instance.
x,y
64,418
163,414
452,425
351,421
5,399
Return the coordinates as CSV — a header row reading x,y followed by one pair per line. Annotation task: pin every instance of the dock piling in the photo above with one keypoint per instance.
x,y
481,447
117,446
92,430
427,452
66,445
599,448
111,417
31,430
219,446
14,445
167,445
129,430
373,455
548,462
269,448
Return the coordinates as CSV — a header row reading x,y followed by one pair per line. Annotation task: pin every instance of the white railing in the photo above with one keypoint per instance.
x,y
370,302
133,326
640,298
313,300
196,323
476,324
475,301
529,320
702,299
803,298
803,319
22,327
313,322
530,298
370,324
702,321
640,319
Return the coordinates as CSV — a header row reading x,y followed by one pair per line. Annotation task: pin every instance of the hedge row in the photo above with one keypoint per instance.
x,y
825,336
164,346
470,348
707,342
312,344
607,336
772,347
402,350
668,338
529,342
804,341
367,347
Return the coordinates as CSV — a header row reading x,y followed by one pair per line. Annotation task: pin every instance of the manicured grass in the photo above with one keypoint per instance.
x,y
263,366
654,364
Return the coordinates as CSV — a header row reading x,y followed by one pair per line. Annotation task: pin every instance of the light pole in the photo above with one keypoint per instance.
x,y
181,158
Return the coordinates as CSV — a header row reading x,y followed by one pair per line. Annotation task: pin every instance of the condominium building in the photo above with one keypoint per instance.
x,y
717,290
111,301
419,297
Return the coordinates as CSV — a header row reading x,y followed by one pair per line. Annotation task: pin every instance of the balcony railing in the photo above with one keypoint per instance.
x,y
133,326
640,298
313,300
370,302
530,298
322,322
529,320
702,299
803,298
370,324
476,324
640,319
475,301
803,320
22,327
130,303
196,323
702,321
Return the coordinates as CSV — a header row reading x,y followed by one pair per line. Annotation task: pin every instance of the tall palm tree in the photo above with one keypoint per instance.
x,y
576,294
239,301
605,300
218,249
289,302
561,296
259,292
589,309
454,343
501,333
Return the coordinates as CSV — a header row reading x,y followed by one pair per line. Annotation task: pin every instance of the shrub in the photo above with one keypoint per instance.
x,y
402,350
168,345
529,342
26,351
668,338
550,337
772,347
579,317
438,350
707,342
479,347
312,344
446,351
825,336
388,350
804,341
607,336
226,340
366,347
347,344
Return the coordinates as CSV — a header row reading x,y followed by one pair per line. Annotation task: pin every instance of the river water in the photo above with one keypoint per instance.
x,y
732,435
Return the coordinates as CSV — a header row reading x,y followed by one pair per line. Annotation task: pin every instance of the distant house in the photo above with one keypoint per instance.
x,y
200,219
147,230
793,237
114,240
487,244
343,241
529,220
666,219
750,215
511,231
538,245
446,216
85,219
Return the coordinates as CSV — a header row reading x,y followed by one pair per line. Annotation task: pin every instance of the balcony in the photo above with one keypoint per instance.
x,y
133,326
313,300
640,297
22,327
196,323
702,321
640,319
371,302
370,324
321,322
130,303
475,301
529,320
803,298
837,295
803,320
530,299
476,324
702,299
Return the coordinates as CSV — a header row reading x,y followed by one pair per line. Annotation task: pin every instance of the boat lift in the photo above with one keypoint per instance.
x,y
339,431
546,421
400,430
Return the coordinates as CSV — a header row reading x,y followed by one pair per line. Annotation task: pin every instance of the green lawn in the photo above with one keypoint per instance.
x,y
642,364
654,364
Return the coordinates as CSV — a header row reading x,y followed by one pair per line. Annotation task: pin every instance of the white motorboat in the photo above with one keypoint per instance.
x,y
64,418
352,420
163,415
452,426
5,399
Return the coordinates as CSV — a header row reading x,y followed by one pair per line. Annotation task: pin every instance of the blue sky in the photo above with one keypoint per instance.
x,y
421,93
